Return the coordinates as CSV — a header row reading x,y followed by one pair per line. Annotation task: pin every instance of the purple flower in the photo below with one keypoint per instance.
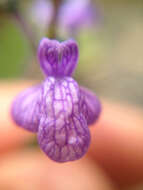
x,y
41,12
58,109
78,14
73,14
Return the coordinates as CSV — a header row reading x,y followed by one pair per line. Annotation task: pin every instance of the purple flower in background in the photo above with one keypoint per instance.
x,y
58,109
76,14
41,12
73,14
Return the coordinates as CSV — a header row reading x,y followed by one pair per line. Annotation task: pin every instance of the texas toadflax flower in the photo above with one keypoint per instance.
x,y
58,109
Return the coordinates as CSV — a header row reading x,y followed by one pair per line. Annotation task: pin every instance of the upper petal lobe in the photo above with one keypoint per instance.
x,y
58,59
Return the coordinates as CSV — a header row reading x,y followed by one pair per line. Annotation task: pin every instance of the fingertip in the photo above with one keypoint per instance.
x,y
44,173
117,143
11,136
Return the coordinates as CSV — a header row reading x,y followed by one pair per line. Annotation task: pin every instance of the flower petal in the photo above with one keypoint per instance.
x,y
69,57
58,59
63,132
84,14
64,140
25,109
60,96
91,106
48,56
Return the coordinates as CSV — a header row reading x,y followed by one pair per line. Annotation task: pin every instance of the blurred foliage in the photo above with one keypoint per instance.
x,y
90,45
9,5
14,49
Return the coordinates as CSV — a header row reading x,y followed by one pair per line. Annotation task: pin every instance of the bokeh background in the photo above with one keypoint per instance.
x,y
111,50
110,54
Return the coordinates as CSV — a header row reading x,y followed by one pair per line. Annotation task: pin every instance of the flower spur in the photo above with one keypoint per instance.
x,y
58,109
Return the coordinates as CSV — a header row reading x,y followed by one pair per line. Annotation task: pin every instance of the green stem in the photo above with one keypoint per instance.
x,y
52,31
27,30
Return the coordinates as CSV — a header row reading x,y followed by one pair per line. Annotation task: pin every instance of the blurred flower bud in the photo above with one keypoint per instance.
x,y
76,14
41,13
72,14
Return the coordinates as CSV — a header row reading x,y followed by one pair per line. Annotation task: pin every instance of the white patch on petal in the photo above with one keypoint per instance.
x,y
58,107
52,80
72,140
63,91
70,105
64,83
49,97
57,93
46,88
73,91
60,122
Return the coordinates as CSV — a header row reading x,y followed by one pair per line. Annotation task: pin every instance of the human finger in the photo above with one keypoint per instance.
x,y
10,135
31,169
117,141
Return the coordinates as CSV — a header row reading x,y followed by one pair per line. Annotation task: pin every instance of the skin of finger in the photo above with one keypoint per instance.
x,y
11,136
33,170
117,141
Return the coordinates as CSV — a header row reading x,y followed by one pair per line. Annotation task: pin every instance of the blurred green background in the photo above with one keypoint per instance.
x,y
111,56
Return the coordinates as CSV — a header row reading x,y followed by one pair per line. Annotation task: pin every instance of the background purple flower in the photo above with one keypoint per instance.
x,y
41,12
73,14
76,14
